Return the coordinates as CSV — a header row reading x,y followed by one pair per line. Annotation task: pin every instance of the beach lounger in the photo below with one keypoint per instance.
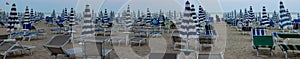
x,y
163,56
245,30
8,46
177,40
140,37
258,32
286,47
263,42
99,50
56,44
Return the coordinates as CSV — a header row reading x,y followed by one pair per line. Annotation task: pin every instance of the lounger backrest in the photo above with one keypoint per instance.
x,y
55,45
258,32
289,35
59,40
263,40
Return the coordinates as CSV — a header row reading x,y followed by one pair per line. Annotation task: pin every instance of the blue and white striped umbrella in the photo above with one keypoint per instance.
x,y
275,17
105,19
265,19
285,20
32,16
251,15
26,21
66,14
53,14
247,20
128,20
13,22
241,14
88,26
187,25
201,15
139,21
148,17
72,21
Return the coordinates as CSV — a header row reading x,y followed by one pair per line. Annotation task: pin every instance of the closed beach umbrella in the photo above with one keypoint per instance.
x,y
187,25
26,21
72,20
285,20
13,19
265,19
88,27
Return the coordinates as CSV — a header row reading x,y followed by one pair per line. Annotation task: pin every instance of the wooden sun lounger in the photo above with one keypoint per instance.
x,y
56,44
163,56
7,47
291,47
263,42
139,37
246,29
177,40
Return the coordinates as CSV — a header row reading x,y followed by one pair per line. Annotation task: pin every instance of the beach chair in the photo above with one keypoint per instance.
x,y
291,47
10,46
177,40
263,42
140,37
258,32
99,50
245,29
163,56
59,29
56,44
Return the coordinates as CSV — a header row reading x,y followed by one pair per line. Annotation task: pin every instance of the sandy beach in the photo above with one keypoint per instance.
x,y
232,43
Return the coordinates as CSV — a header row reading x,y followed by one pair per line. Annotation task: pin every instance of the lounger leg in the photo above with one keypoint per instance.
x,y
174,46
286,55
23,39
4,57
257,53
222,55
29,39
140,43
271,52
119,42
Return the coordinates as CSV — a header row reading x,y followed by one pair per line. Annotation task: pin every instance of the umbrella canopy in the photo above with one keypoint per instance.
x,y
32,16
187,25
105,19
251,15
72,20
148,17
66,14
13,22
88,26
265,19
26,21
128,19
285,20
246,20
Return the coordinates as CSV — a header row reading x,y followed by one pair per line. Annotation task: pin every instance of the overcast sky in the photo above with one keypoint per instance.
x,y
116,5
